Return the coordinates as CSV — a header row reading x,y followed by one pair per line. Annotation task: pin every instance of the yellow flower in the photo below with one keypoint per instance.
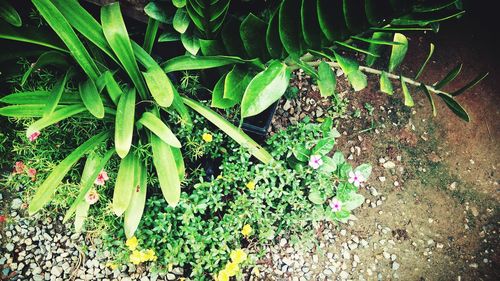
x,y
132,243
251,185
149,255
232,268
136,257
219,177
112,265
246,230
223,276
238,256
207,137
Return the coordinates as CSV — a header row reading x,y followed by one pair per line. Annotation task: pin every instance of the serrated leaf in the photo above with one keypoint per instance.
x,y
124,185
398,52
48,188
124,123
160,129
385,84
327,80
265,88
406,93
166,169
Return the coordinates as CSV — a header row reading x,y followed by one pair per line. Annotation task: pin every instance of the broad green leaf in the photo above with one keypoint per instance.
x,y
179,3
398,52
354,48
55,94
189,62
265,88
218,99
91,98
378,11
181,20
39,98
355,200
327,80
235,133
354,15
40,36
124,124
190,42
236,82
166,169
376,47
316,197
471,84
429,96
338,158
9,14
231,38
117,36
406,93
47,58
160,12
431,51
160,129
365,170
23,110
290,27
331,19
449,77
61,26
323,147
93,166
329,166
311,30
114,90
273,41
301,153
54,117
351,69
169,36
211,47
454,106
385,84
124,185
160,86
133,214
252,31
47,189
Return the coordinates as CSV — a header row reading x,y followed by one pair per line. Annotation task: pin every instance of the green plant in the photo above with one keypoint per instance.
x,y
140,98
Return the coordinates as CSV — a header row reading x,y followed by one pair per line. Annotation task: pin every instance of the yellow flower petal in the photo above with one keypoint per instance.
x,y
232,268
136,257
207,137
251,185
246,230
223,276
238,256
132,243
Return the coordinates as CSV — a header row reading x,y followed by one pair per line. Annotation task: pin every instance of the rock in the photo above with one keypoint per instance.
x,y
395,266
283,242
389,165
56,271
386,255
9,247
453,186
343,232
474,211
393,257
473,265
287,105
373,191
344,275
16,203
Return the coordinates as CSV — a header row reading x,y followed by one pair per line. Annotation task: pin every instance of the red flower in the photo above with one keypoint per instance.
x,y
34,136
19,167
2,219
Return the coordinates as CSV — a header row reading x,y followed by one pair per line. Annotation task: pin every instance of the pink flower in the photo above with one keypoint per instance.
x,y
31,172
92,196
315,161
356,178
2,219
335,204
34,136
19,167
101,178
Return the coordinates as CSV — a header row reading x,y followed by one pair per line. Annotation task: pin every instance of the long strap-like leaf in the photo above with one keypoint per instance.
x,y
91,98
133,214
166,169
124,124
124,186
45,191
55,117
157,127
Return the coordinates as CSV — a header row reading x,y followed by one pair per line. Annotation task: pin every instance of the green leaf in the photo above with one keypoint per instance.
x,y
235,133
135,208
329,166
368,52
160,86
179,162
179,3
124,185
385,84
39,98
164,162
9,14
114,90
265,88
160,12
47,58
323,147
354,15
61,26
471,84
23,110
311,30
429,96
181,20
218,99
431,51
351,69
365,170
316,197
160,129
301,153
327,81
189,62
190,42
124,124
169,36
55,94
40,36
47,189
150,36
273,41
211,47
376,47
252,32
236,82
93,166
231,38
117,36
91,98
54,117
406,93
331,19
454,106
398,52
355,200
290,27
338,158
449,77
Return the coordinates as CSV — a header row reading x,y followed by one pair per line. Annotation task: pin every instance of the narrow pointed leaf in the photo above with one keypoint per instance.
x,y
166,169
23,110
179,162
48,188
327,80
376,47
124,186
398,52
39,98
368,52
470,84
155,125
273,41
431,51
454,106
114,90
449,77
47,58
234,132
265,88
133,214
124,124
55,117
350,67
91,98
406,93
190,42
385,84
189,62
150,36
41,36
55,94
429,96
